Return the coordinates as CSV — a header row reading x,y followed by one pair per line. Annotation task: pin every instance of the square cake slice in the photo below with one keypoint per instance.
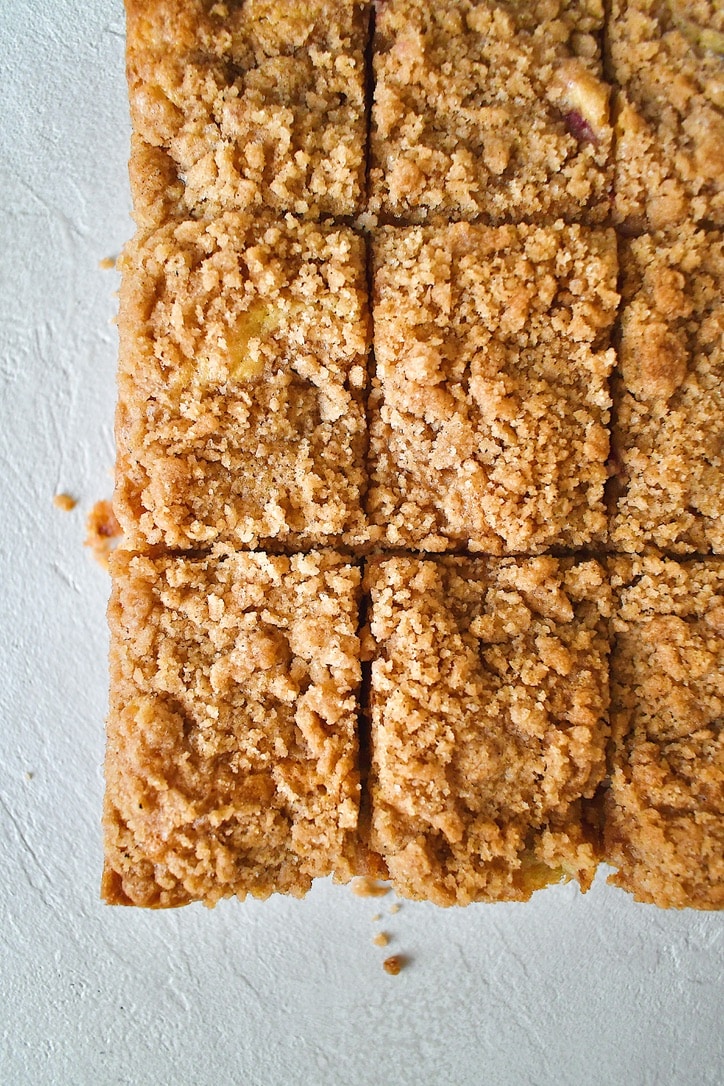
x,y
669,401
664,814
489,409
668,57
489,697
247,104
231,764
241,382
490,109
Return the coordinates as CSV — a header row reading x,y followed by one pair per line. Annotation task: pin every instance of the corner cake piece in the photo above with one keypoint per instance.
x,y
247,103
664,816
669,418
241,380
489,692
490,405
231,764
490,109
667,57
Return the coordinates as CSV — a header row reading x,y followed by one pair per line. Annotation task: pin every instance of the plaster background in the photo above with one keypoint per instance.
x,y
566,989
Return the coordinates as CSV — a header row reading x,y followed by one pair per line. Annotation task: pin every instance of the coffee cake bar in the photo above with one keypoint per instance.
x,y
489,406
232,761
489,697
664,825
666,55
490,109
247,104
669,417
241,378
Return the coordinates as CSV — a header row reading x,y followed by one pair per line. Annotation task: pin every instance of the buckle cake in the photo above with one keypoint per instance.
x,y
419,466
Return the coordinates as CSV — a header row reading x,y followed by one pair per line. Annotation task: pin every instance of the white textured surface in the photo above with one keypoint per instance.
x,y
567,989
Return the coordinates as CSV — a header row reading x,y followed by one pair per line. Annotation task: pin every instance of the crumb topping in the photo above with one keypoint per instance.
x,y
669,433
248,105
664,826
667,57
489,406
493,109
273,147
232,752
241,381
489,722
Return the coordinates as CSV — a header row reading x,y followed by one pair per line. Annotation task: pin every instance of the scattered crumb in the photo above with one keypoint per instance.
x,y
381,938
103,531
364,886
65,502
107,263
29,776
393,965
395,908
376,918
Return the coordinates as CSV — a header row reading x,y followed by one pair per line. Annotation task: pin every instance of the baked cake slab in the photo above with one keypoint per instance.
x,y
242,370
664,816
489,406
247,104
419,401
492,110
669,402
232,758
488,706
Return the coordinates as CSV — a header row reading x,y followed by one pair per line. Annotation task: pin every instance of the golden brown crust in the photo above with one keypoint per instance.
x,y
489,409
667,57
664,817
669,433
492,109
241,378
231,764
488,711
247,105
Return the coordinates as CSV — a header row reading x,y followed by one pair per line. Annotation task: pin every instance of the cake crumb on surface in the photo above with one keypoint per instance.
x,y
394,964
107,263
364,886
381,939
103,531
66,502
